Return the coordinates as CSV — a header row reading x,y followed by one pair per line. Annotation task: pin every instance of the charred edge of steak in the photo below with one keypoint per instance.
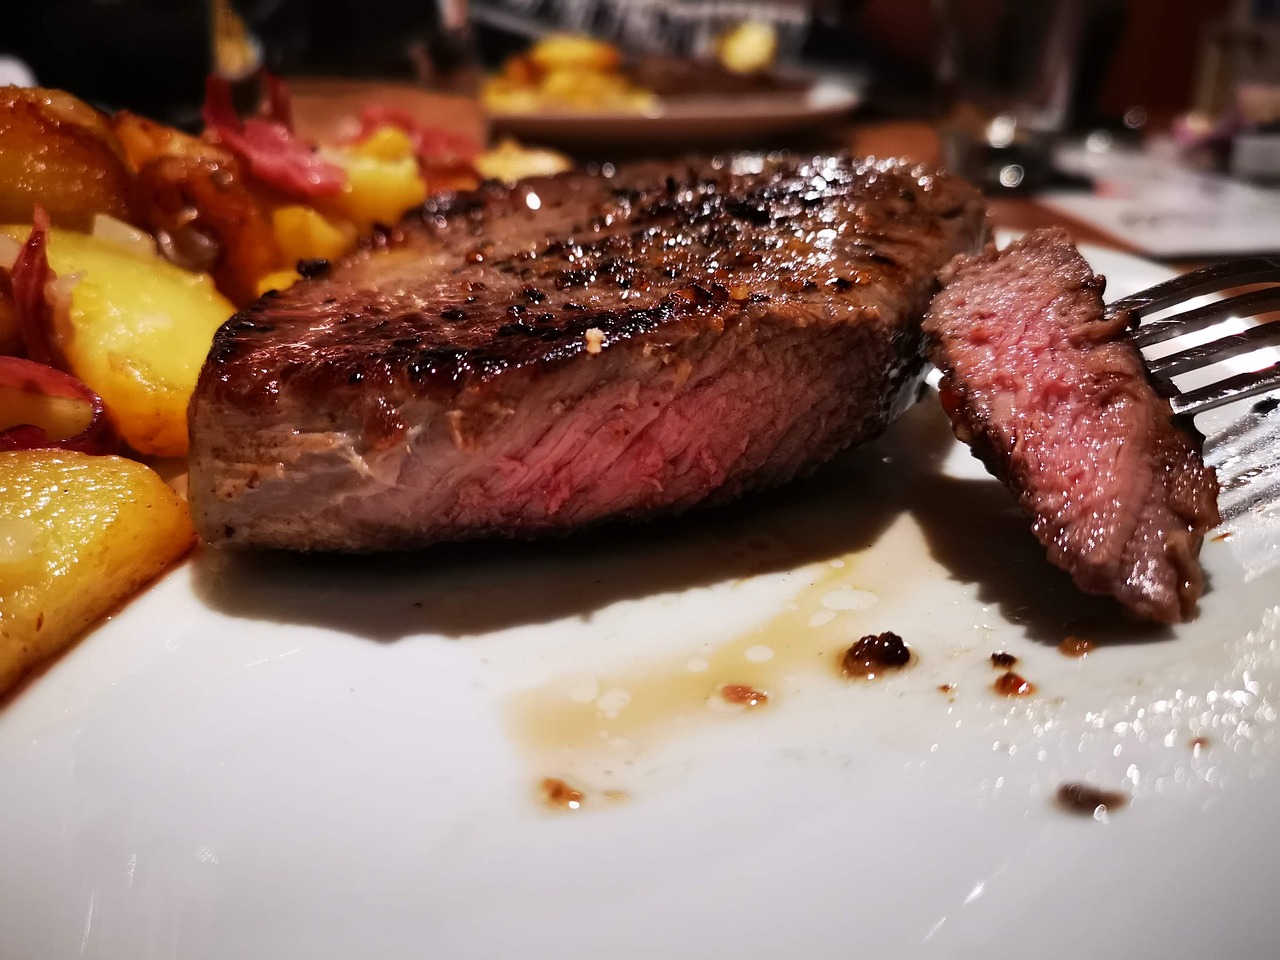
x,y
1055,401
640,251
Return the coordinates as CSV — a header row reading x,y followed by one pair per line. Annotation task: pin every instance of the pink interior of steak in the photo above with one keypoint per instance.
x,y
1056,402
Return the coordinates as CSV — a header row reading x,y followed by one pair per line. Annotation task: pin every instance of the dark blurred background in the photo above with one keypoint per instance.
x,y
152,55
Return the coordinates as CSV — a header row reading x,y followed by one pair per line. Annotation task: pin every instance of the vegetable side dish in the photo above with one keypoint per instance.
x,y
124,244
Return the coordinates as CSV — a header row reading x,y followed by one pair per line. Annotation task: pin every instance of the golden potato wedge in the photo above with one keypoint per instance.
x,y
137,334
571,51
58,151
79,534
377,191
303,233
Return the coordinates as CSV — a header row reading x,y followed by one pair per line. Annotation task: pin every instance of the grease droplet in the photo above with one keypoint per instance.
x,y
560,795
873,655
1077,647
742,695
1088,800
1013,685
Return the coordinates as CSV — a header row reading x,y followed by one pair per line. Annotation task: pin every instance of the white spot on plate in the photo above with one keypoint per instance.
x,y
758,653
822,618
612,701
584,691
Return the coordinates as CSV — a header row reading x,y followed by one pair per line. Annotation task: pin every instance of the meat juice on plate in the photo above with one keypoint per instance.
x,y
1119,718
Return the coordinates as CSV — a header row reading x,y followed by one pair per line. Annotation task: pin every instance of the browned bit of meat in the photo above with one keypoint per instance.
x,y
1054,399
1003,660
1082,798
946,688
1076,647
739,694
557,793
874,655
1014,685
594,362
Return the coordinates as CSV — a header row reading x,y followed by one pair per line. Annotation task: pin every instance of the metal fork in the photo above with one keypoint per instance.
x,y
1242,445
1148,332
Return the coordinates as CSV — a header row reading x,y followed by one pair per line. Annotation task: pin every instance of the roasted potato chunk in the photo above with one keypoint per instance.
x,y
137,334
206,219
145,140
79,534
58,151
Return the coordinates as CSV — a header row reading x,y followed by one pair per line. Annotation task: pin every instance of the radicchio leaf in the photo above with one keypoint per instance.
x,y
267,145
42,407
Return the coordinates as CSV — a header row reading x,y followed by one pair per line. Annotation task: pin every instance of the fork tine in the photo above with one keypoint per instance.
x,y
1245,305
1215,351
1220,276
1227,391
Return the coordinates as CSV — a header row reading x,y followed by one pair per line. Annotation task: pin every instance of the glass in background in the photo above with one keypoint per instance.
x,y
1006,70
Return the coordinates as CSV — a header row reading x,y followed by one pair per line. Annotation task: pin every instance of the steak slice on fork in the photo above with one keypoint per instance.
x,y
1055,400
532,359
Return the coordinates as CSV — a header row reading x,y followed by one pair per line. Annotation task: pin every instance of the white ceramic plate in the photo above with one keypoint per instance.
x,y
275,758
688,121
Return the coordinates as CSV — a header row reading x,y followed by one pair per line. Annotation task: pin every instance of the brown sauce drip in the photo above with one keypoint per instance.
x,y
560,795
740,694
1198,744
946,687
1011,684
1003,661
874,654
1077,647
1222,536
1084,799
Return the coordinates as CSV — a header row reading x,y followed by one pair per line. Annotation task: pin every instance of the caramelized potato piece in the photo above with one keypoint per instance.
x,y
206,219
145,140
79,534
60,152
137,334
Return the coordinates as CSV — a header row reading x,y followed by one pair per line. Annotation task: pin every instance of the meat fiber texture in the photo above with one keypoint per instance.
x,y
1055,401
533,359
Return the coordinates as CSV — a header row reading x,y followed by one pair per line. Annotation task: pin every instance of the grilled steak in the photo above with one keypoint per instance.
x,y
532,359
1055,401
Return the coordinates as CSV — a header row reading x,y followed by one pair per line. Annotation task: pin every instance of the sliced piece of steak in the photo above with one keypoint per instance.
x,y
533,359
1055,401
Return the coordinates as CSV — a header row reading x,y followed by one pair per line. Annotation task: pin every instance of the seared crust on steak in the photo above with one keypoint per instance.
x,y
1055,400
529,359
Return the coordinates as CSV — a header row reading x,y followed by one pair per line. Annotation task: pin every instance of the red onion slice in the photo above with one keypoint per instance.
x,y
41,407
31,278
267,146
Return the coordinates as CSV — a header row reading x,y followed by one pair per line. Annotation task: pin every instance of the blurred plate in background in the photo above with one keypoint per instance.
x,y
689,121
